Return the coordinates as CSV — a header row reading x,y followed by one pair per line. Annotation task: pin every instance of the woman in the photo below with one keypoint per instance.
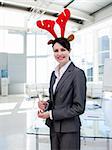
x,y
67,94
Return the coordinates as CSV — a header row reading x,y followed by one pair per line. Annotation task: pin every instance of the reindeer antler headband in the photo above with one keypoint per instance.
x,y
61,21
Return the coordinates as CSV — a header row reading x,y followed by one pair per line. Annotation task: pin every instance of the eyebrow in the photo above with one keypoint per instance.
x,y
60,49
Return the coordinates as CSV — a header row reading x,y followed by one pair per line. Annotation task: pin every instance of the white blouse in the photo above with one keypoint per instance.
x,y
59,73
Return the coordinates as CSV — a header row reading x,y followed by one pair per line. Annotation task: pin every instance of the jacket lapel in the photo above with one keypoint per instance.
x,y
53,78
64,76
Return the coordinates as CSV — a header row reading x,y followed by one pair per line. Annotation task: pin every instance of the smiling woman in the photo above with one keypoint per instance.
x,y
67,95
67,91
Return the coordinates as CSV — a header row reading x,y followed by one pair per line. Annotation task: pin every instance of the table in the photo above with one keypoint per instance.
x,y
93,126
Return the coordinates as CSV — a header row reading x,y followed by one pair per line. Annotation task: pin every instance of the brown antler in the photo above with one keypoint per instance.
x,y
62,20
47,25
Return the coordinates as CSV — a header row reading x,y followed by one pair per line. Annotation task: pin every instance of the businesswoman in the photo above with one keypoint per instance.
x,y
67,98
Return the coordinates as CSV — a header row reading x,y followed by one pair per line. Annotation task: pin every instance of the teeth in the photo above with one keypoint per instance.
x,y
60,57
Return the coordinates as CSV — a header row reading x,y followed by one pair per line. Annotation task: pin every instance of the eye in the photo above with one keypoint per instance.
x,y
63,49
55,50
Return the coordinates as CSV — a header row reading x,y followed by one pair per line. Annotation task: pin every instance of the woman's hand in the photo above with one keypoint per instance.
x,y
42,105
43,115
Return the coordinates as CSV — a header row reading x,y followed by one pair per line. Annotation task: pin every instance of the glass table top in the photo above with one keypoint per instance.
x,y
93,122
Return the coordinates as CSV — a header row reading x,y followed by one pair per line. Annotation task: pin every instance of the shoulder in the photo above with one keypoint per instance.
x,y
76,70
53,72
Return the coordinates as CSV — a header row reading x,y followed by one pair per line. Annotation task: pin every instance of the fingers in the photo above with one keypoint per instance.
x,y
43,115
42,104
40,111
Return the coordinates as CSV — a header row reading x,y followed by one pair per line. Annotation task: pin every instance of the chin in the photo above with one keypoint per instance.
x,y
61,61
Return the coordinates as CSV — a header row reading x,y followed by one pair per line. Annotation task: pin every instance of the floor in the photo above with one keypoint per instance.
x,y
16,118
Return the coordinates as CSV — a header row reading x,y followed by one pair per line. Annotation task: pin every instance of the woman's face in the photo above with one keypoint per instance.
x,y
61,54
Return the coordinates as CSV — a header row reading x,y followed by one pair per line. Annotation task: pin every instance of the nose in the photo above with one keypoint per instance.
x,y
59,53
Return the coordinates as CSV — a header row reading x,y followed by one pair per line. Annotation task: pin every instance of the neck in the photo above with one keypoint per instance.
x,y
62,64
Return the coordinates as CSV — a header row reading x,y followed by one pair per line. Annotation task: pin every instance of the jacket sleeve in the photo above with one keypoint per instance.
x,y
49,107
79,99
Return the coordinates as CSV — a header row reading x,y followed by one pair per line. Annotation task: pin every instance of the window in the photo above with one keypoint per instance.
x,y
90,74
104,43
41,70
38,55
101,70
103,54
30,70
41,45
30,44
3,36
102,57
11,41
15,42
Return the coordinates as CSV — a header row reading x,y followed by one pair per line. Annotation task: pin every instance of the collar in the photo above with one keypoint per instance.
x,y
59,72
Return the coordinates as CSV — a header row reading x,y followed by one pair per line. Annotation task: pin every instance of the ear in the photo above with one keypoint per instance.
x,y
50,42
70,37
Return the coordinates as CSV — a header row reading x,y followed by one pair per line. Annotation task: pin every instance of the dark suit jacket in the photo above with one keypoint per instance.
x,y
69,99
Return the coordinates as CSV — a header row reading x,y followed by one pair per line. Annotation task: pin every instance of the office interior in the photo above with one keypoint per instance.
x,y
26,63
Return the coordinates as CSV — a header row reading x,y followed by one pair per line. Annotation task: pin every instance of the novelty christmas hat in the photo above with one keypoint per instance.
x,y
61,21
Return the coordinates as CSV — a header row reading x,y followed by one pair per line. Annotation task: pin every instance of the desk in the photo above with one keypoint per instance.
x,y
93,126
96,128
38,132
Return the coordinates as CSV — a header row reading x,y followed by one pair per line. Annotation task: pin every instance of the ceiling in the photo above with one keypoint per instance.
x,y
82,11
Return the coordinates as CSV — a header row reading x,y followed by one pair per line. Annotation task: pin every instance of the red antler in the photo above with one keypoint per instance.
x,y
62,20
47,25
